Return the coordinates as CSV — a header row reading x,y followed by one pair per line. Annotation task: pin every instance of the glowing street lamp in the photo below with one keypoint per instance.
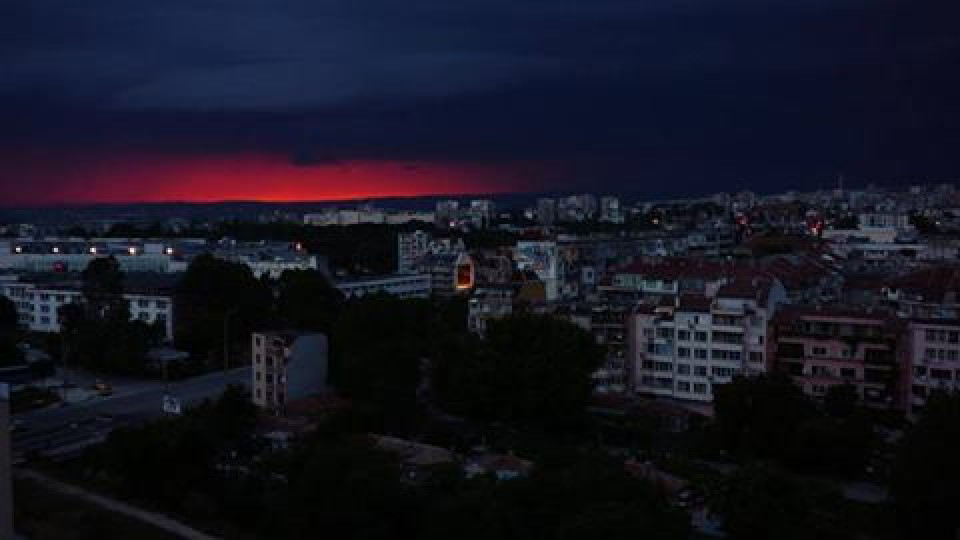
x,y
93,250
18,249
169,251
56,249
132,250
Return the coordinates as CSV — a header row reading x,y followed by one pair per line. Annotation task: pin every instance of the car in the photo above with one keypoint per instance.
x,y
102,388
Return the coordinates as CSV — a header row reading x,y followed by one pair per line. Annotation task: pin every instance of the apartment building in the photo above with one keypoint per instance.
x,y
39,303
685,345
823,346
400,285
489,302
607,322
934,355
411,247
287,366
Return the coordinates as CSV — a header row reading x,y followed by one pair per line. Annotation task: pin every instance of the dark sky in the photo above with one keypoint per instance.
x,y
273,99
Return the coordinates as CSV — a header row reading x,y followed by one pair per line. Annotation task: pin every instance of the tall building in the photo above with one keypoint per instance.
x,y
934,354
411,247
546,211
447,214
287,366
688,344
482,212
610,210
823,346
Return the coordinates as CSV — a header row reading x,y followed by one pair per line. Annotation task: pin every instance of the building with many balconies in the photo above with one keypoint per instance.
x,y
823,346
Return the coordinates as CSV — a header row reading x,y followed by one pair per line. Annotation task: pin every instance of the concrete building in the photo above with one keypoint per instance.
x,y
546,211
450,273
489,302
610,210
824,346
481,213
287,367
934,354
400,285
411,247
447,214
543,259
39,299
685,345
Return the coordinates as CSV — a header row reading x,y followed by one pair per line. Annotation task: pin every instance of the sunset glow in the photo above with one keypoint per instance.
x,y
37,178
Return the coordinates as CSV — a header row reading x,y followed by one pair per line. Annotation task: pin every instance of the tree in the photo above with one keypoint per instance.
x,y
214,294
925,475
759,416
379,345
10,353
760,501
307,301
103,289
531,370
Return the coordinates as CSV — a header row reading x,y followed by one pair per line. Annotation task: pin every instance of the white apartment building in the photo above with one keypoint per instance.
x,y
411,247
38,305
689,344
488,302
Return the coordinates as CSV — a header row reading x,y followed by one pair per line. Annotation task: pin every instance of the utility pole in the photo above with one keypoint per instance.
x,y
6,466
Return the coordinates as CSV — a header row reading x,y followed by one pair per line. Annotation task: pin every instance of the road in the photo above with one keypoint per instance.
x,y
61,429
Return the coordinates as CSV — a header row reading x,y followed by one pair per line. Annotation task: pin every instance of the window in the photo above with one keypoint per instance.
x,y
920,371
723,372
700,336
259,358
700,354
143,303
44,320
952,355
665,333
930,354
941,374
819,389
269,378
848,373
700,388
683,386
820,371
258,375
259,341
720,354
683,335
663,366
953,336
756,357
45,309
259,393
143,316
683,369
700,371
931,335
683,352
819,351
647,364
161,304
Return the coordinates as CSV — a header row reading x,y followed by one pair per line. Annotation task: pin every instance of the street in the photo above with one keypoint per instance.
x,y
57,430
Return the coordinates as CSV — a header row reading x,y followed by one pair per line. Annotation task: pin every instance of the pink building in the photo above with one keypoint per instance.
x,y
934,346
825,346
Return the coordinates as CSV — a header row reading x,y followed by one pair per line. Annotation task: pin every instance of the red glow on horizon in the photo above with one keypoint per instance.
x,y
36,178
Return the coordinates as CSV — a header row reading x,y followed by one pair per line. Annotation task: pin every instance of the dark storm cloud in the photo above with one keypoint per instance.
x,y
687,88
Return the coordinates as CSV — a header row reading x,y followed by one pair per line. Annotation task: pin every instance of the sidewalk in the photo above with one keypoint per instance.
x,y
157,520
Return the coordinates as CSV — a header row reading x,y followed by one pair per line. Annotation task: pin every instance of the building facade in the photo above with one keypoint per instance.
x,y
934,354
286,367
820,347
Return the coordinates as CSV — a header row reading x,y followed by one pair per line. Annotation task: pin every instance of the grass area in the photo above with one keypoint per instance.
x,y
41,514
